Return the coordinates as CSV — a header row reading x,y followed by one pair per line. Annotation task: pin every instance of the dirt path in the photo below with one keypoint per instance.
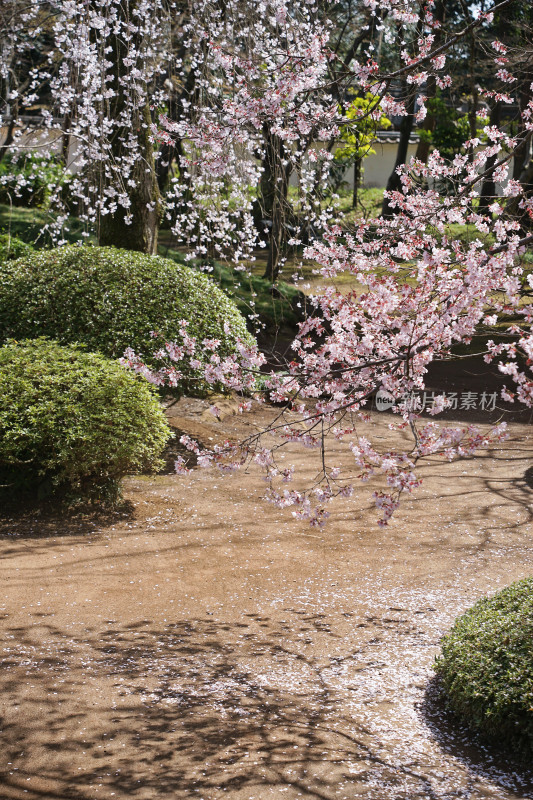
x,y
208,647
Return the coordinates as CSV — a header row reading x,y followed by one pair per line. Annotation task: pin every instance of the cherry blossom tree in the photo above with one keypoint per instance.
x,y
421,291
262,83
260,103
89,92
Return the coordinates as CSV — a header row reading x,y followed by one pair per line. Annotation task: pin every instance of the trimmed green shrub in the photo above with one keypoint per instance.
x,y
11,247
486,666
74,422
112,299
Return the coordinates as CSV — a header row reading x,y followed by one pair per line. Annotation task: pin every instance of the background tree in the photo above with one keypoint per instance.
x,y
408,95
131,46
358,132
428,124
94,85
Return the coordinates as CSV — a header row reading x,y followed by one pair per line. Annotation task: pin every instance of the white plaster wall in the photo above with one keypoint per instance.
x,y
378,167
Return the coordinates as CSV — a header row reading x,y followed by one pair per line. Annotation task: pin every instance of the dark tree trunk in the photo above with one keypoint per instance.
x,y
488,187
145,209
474,94
145,200
10,135
65,140
513,204
394,183
164,165
521,157
356,180
424,144
472,116
189,93
523,163
274,205
144,196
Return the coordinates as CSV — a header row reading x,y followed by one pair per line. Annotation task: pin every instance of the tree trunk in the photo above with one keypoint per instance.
x,y
513,204
472,117
134,228
356,180
145,199
473,103
189,93
164,165
65,140
488,187
521,157
273,191
424,144
394,183
10,135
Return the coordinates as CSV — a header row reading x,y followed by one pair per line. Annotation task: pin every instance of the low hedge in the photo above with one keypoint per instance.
x,y
11,247
486,666
111,299
73,422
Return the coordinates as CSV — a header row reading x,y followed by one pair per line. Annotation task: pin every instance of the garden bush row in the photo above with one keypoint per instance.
x,y
72,419
111,299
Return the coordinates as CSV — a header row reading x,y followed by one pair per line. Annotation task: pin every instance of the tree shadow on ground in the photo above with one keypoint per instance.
x,y
528,478
197,716
51,519
466,746
198,708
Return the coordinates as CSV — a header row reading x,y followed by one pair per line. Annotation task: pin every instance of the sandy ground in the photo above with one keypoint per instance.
x,y
209,646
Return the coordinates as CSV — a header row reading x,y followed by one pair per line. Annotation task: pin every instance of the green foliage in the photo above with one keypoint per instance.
x,y
465,234
111,299
452,128
253,294
11,247
31,225
359,129
370,200
451,131
28,180
275,312
74,422
486,666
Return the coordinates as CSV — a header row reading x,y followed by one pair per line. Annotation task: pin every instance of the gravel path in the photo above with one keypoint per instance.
x,y
208,646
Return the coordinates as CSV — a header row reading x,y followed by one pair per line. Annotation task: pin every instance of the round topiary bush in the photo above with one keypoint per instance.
x,y
486,666
113,299
73,421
